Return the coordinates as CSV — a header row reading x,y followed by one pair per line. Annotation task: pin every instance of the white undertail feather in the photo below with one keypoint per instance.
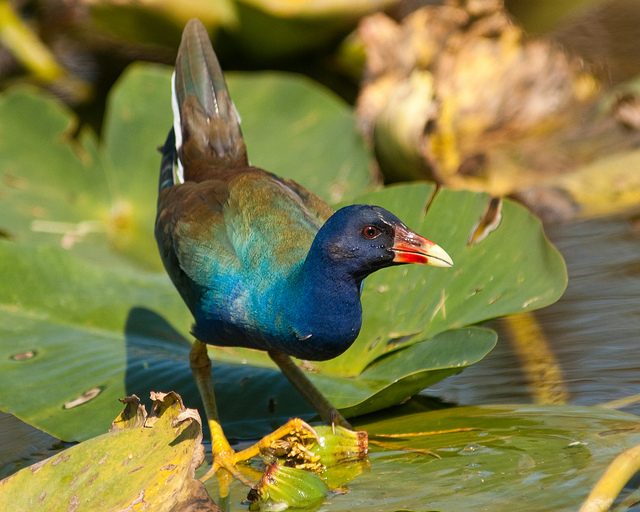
x,y
178,170
235,110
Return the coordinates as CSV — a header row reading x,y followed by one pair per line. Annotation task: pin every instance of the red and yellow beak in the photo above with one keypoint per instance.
x,y
410,247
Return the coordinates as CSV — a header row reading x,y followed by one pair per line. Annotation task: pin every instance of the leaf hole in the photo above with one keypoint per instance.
x,y
22,356
12,181
84,398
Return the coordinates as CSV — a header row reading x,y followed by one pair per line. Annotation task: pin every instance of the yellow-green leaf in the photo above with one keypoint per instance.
x,y
138,465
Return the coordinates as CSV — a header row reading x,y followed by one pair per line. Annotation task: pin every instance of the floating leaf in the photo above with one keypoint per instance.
x,y
150,461
513,269
86,329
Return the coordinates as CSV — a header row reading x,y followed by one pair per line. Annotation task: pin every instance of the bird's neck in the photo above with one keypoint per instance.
x,y
327,309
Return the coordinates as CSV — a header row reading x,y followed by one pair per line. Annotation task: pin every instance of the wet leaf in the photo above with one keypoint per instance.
x,y
540,458
150,464
283,487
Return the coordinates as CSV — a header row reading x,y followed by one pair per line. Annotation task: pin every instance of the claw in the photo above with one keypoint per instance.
x,y
304,425
290,440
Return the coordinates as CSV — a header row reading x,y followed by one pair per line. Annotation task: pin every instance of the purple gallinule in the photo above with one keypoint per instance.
x,y
260,261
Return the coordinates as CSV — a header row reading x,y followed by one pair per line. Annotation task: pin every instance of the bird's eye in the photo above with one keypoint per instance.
x,y
370,232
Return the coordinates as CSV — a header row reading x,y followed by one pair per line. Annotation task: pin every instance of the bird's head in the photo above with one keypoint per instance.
x,y
363,238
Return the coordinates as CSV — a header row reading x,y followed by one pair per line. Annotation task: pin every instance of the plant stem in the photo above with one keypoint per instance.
x,y
623,467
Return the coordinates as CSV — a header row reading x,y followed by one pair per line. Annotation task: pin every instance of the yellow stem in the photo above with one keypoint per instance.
x,y
623,467
621,402
540,366
26,47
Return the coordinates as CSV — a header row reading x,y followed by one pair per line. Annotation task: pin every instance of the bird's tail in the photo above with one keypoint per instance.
x,y
206,126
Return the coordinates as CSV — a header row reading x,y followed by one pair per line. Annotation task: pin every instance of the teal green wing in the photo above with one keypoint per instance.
x,y
245,226
192,236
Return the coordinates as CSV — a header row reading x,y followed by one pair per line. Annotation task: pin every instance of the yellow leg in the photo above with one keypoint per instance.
x,y
224,457
223,454
309,392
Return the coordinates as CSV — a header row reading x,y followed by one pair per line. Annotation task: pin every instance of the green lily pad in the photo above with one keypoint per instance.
x,y
150,461
85,304
514,268
535,457
287,110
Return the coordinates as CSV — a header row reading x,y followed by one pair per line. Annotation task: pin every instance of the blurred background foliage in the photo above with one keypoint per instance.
x,y
531,99
77,48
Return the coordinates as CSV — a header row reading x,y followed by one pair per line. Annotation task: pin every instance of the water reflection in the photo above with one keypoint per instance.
x,y
21,445
594,330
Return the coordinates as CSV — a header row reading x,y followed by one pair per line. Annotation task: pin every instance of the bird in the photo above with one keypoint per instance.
x,y
260,261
